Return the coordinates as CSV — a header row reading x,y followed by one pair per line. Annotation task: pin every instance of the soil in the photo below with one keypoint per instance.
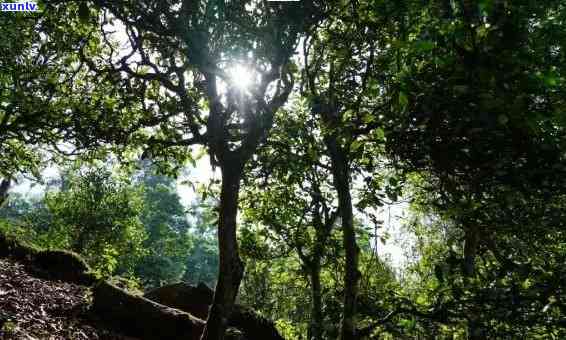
x,y
33,308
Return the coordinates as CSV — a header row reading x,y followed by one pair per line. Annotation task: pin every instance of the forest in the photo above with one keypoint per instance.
x,y
261,159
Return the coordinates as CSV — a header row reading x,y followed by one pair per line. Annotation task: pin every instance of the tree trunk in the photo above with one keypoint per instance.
x,y
4,186
316,291
341,174
231,267
471,242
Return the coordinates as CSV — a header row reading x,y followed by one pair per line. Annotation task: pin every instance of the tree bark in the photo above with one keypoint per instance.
x,y
471,243
341,179
4,186
316,291
231,267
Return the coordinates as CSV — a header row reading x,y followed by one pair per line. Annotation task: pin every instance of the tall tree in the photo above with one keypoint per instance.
x,y
479,108
499,125
289,193
169,241
202,263
340,80
178,68
97,214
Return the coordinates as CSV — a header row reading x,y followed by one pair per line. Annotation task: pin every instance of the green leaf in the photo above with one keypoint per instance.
x,y
356,145
551,80
379,134
368,118
424,46
403,100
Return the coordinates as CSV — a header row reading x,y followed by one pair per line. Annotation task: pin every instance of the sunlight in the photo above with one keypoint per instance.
x,y
241,76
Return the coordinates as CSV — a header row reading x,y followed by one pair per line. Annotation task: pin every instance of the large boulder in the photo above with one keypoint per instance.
x,y
191,299
141,317
11,247
196,300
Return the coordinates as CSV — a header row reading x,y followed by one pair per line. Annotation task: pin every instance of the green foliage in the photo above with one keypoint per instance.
x,y
98,216
202,262
165,223
181,245
279,291
456,105
135,228
48,98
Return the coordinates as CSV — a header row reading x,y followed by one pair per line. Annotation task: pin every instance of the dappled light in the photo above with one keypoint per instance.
x,y
271,170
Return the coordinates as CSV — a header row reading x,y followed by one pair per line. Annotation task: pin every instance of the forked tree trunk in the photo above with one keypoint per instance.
x,y
231,267
341,179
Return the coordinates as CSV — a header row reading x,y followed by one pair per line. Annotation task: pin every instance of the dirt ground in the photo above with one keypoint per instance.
x,y
32,308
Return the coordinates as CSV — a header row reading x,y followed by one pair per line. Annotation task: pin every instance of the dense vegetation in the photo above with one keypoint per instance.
x,y
343,108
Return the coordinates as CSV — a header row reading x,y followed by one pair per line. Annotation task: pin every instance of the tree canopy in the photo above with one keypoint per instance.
x,y
317,115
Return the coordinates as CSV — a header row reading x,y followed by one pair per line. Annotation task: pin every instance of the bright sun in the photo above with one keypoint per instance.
x,y
241,76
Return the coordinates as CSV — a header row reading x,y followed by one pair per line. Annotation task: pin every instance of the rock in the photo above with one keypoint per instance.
x,y
196,301
188,298
63,265
141,317
10,247
48,264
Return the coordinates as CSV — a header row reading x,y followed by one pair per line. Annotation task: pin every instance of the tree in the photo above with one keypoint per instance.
x,y
288,193
15,208
340,81
512,283
202,263
478,114
165,222
46,108
497,124
98,216
183,57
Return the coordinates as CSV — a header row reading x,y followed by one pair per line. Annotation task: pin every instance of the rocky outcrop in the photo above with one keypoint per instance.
x,y
196,300
138,316
168,313
49,264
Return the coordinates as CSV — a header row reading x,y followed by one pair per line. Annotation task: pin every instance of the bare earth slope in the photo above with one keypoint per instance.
x,y
32,308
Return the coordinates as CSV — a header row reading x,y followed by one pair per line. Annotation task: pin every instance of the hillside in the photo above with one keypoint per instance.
x,y
33,308
53,294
